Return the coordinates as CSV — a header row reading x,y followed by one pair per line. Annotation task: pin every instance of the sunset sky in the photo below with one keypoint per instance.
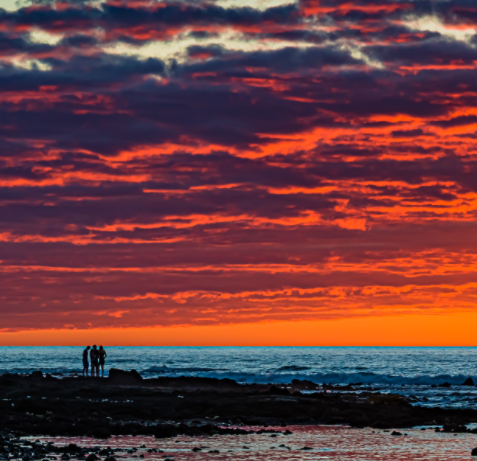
x,y
238,172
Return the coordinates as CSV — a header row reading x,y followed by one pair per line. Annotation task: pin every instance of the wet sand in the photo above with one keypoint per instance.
x,y
321,442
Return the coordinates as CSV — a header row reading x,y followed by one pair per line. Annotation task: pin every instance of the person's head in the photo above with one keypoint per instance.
x,y
100,348
95,347
88,348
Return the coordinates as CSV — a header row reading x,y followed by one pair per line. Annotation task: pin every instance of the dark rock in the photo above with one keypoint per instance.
x,y
474,452
36,375
468,382
125,378
230,382
274,390
162,431
6,382
73,448
306,384
454,428
101,433
395,433
446,384
92,457
74,407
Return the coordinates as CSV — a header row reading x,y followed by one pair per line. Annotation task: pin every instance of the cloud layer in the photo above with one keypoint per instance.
x,y
177,163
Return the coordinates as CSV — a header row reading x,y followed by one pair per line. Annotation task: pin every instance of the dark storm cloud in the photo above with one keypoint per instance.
x,y
407,133
17,44
78,41
285,60
463,120
429,52
162,18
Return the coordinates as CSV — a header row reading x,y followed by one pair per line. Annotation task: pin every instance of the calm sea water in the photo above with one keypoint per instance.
x,y
407,370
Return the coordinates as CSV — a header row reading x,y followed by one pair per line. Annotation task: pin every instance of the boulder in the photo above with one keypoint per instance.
x,y
36,375
100,433
305,383
474,452
468,382
73,448
162,431
274,390
446,384
123,377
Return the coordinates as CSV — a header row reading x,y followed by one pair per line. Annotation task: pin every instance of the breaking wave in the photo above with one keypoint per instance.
x,y
285,375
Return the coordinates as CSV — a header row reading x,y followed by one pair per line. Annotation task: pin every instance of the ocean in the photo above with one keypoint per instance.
x,y
411,371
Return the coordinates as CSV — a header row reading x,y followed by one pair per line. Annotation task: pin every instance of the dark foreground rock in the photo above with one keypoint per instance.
x,y
124,378
126,403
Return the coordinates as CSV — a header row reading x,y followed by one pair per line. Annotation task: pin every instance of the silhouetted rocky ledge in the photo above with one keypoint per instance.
x,y
125,403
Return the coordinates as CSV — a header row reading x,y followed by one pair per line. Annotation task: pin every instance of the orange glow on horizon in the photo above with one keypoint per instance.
x,y
454,329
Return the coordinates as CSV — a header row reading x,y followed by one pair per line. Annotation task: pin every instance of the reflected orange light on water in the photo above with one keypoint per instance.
x,y
323,442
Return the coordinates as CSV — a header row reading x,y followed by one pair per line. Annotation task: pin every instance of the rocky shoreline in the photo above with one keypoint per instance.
x,y
126,404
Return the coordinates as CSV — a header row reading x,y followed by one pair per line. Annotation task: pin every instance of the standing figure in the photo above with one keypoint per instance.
x,y
85,361
102,358
93,355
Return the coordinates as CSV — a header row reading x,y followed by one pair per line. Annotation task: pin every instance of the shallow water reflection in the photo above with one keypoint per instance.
x,y
321,442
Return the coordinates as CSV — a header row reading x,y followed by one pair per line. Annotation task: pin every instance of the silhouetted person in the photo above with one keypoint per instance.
x,y
85,361
102,358
93,355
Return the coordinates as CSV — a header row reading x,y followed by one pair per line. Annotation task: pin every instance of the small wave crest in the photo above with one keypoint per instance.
x,y
292,368
286,374
174,370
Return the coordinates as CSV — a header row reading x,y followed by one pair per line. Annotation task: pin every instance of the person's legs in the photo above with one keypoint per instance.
x,y
102,370
92,368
